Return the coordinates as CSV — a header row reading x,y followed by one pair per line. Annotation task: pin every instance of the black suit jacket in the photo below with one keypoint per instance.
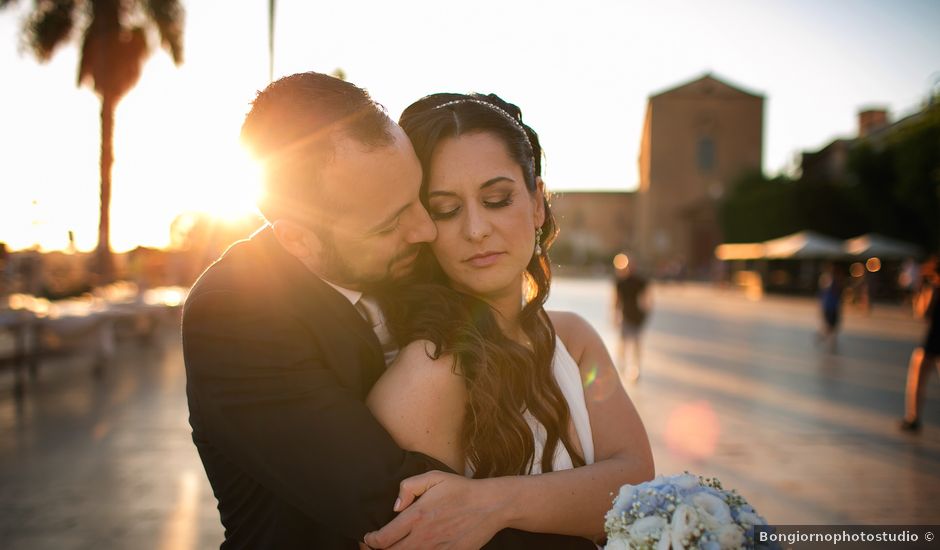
x,y
278,365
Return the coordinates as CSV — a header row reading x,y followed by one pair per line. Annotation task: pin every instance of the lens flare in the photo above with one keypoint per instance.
x,y
591,377
692,430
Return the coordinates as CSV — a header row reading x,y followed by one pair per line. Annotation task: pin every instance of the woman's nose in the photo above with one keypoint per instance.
x,y
477,225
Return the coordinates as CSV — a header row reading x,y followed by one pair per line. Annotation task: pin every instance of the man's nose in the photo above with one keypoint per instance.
x,y
422,228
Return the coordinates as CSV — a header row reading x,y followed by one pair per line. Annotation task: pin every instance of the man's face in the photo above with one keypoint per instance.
x,y
373,221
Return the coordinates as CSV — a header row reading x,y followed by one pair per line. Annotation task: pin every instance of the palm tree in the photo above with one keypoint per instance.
x,y
114,47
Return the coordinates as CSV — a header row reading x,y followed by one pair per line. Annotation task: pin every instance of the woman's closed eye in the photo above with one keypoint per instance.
x,y
444,211
447,211
498,202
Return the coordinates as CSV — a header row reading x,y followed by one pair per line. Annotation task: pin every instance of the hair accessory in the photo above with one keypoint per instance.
x,y
538,241
496,108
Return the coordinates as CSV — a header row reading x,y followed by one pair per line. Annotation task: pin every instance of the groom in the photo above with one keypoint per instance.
x,y
279,344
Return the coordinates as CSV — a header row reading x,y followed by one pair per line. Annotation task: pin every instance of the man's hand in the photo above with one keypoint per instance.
x,y
452,512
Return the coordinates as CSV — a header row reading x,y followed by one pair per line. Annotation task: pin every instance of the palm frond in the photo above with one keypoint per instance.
x,y
48,26
168,16
111,60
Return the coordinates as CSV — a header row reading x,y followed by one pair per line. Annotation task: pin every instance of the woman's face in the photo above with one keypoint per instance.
x,y
486,218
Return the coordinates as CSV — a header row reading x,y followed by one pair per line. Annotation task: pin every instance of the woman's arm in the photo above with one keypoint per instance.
x,y
418,400
421,402
573,502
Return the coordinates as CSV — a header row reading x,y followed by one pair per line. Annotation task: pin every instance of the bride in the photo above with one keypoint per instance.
x,y
487,381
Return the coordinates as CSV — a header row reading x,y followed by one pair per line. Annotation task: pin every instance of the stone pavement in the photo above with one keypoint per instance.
x,y
737,389
730,388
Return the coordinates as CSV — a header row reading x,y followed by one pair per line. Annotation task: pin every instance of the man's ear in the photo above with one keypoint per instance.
x,y
299,242
539,202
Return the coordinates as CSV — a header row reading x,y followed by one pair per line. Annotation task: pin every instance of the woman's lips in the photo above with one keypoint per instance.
x,y
485,259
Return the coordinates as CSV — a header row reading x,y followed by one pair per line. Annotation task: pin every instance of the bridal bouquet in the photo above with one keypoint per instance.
x,y
680,512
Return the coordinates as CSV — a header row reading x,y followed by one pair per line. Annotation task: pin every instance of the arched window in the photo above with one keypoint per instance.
x,y
706,154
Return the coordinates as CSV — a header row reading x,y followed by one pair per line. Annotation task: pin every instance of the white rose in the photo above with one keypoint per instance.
x,y
712,510
684,522
664,541
730,537
617,543
645,528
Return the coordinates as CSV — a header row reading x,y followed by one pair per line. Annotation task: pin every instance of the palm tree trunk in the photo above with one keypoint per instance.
x,y
104,260
271,8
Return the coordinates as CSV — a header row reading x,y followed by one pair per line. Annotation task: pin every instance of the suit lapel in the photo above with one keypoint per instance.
x,y
328,313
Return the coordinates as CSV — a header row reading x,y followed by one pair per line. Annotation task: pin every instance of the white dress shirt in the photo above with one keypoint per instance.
x,y
368,307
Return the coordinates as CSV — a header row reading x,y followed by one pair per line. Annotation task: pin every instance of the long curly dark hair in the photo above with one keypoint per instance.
x,y
504,379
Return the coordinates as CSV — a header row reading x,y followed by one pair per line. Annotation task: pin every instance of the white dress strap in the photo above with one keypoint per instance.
x,y
568,377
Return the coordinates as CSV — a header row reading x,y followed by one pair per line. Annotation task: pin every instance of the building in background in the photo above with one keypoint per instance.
x,y
830,164
594,226
697,139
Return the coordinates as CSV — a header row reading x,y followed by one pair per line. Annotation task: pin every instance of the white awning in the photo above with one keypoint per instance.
x,y
806,245
873,245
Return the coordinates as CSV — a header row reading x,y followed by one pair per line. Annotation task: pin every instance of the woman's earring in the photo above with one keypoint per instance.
x,y
538,241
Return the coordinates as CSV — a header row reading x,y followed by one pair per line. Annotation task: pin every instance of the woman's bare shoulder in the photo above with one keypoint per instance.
x,y
417,373
420,358
420,400
574,330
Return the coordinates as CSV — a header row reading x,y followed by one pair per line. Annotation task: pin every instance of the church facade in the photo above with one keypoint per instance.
x,y
697,139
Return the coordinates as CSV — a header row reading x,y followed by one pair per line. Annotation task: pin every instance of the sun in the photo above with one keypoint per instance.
x,y
236,187
219,180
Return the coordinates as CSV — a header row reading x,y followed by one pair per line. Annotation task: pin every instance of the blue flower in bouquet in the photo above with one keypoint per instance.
x,y
680,512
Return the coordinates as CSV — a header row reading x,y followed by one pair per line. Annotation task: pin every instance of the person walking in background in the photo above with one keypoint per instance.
x,y
927,305
631,308
831,287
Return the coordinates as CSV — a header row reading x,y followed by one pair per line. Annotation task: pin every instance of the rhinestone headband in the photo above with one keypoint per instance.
x,y
496,108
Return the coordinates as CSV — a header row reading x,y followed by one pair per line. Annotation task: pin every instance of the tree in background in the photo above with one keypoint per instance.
x,y
890,186
114,46
898,180
756,209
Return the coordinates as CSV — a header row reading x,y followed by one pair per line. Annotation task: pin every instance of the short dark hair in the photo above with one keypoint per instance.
x,y
290,131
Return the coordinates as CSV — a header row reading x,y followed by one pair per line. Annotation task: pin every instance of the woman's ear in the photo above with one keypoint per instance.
x,y
539,202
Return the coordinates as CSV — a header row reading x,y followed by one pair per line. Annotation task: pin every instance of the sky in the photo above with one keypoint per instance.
x,y
581,73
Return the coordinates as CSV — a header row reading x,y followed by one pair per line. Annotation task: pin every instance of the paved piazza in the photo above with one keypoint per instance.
x,y
730,387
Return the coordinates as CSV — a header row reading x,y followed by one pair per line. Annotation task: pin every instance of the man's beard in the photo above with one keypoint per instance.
x,y
335,267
